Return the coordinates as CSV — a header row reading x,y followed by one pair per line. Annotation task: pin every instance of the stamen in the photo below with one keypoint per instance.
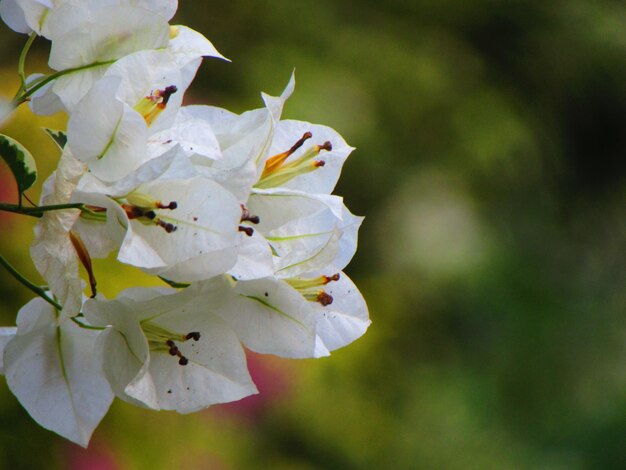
x,y
171,206
247,217
324,298
169,228
307,284
326,146
247,230
165,94
277,171
162,340
273,163
151,106
141,207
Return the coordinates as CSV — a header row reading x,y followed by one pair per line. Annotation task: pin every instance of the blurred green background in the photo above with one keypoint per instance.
x,y
490,168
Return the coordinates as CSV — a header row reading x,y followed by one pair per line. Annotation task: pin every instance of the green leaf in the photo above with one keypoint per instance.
x,y
59,137
20,161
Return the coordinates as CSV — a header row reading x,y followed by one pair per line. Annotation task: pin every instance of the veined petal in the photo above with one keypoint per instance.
x,y
71,88
195,136
304,230
323,179
107,134
206,220
52,372
104,34
244,141
270,318
144,72
254,260
214,369
346,319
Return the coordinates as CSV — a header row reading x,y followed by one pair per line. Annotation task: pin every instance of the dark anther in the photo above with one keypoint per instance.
x,y
195,335
324,298
299,143
334,277
150,215
171,206
167,92
247,230
246,216
169,228
326,146
319,163
183,361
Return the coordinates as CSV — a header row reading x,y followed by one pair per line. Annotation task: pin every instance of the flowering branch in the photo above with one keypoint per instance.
x,y
39,210
33,287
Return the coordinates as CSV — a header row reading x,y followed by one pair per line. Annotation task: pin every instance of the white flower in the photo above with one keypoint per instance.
x,y
43,16
169,352
341,312
304,232
164,221
296,317
139,95
50,367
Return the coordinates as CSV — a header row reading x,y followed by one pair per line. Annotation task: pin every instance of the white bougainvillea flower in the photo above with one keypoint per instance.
x,y
165,222
341,311
54,251
299,232
138,96
296,164
244,141
268,317
263,151
169,352
186,46
50,367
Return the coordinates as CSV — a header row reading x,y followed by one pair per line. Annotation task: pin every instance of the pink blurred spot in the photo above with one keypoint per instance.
x,y
96,457
273,378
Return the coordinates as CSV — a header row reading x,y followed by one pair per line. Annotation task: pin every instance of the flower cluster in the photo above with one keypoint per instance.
x,y
234,212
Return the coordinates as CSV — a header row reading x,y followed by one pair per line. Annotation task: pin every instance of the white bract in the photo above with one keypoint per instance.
x,y
167,351
139,95
50,367
163,221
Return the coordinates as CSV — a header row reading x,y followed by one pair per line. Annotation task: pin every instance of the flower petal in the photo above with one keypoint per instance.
x,y
52,372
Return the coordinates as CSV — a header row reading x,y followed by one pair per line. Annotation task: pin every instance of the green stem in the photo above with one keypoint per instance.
x,y
43,81
36,289
22,61
87,327
37,211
